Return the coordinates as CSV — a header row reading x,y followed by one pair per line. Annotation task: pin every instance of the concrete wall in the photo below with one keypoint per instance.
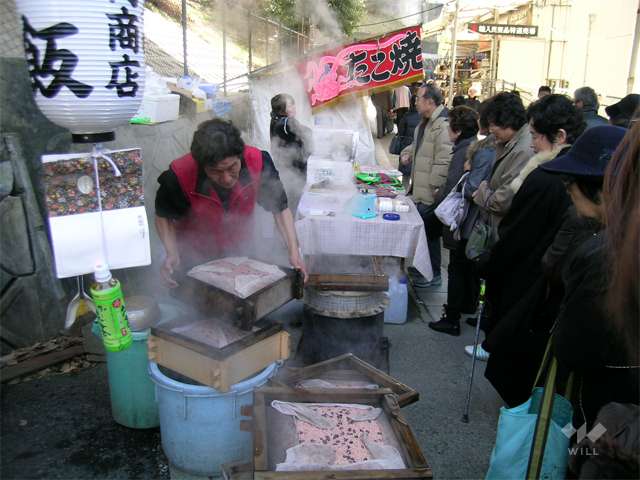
x,y
32,301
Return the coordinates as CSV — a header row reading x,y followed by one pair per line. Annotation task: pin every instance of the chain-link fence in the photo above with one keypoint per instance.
x,y
224,41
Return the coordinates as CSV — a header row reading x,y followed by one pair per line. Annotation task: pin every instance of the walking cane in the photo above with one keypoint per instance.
x,y
465,415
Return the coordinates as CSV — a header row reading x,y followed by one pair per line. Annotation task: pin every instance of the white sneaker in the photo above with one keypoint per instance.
x,y
481,353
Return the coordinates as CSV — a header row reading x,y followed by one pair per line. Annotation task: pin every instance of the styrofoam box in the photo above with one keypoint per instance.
x,y
160,108
318,169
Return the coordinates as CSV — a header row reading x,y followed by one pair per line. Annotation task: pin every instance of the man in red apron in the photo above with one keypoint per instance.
x,y
207,198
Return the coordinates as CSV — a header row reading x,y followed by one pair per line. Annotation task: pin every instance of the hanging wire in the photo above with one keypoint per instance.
x,y
99,152
402,18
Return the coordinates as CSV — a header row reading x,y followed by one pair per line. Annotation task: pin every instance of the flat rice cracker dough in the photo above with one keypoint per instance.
x,y
239,276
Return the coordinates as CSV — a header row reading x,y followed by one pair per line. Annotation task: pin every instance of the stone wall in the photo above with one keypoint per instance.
x,y
32,301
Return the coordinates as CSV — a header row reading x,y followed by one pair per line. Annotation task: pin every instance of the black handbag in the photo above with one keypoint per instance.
x,y
398,143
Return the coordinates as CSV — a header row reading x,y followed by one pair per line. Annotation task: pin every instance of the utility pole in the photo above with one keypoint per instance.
x,y
553,25
184,38
494,56
454,32
592,18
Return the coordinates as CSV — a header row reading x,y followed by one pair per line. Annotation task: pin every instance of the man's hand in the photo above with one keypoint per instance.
x,y
483,185
296,262
405,159
170,264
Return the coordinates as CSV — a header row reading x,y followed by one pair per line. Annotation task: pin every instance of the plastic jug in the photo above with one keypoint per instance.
x,y
396,312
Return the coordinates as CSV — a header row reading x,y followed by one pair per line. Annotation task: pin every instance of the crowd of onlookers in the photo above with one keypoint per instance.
x,y
551,222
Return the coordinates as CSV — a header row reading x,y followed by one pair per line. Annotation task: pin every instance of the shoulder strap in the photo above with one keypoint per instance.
x,y
542,424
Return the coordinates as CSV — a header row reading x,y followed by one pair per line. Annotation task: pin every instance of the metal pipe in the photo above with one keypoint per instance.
x,y
494,55
250,38
185,67
592,18
280,41
266,34
453,54
553,16
275,24
224,50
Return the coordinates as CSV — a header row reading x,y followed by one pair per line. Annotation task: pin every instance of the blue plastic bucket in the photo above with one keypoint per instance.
x,y
200,426
132,393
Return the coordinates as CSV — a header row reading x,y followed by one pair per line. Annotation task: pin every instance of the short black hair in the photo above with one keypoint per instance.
x,y
215,140
432,92
458,100
464,120
554,112
482,112
506,111
279,103
544,88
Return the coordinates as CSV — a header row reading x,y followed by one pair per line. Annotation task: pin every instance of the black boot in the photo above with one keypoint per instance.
x,y
449,323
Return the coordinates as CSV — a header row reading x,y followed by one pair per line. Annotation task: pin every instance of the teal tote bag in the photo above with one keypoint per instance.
x,y
530,443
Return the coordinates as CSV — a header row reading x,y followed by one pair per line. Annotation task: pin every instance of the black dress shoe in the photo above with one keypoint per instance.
x,y
444,326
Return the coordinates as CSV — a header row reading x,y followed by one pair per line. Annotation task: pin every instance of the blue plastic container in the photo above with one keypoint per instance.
x,y
133,402
200,426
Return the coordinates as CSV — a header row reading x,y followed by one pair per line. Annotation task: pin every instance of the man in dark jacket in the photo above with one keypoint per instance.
x,y
472,100
586,101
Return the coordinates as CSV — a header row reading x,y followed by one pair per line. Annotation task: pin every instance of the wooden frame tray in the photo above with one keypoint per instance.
x,y
218,367
245,312
417,466
345,367
362,273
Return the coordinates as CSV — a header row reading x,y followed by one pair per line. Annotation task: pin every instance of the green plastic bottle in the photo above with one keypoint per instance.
x,y
110,310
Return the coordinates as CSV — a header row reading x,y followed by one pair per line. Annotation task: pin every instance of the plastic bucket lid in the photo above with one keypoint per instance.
x,y
240,388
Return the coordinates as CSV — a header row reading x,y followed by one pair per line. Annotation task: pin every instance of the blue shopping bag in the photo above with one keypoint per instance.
x,y
514,440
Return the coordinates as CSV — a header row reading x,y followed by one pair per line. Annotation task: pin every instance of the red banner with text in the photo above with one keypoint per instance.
x,y
362,66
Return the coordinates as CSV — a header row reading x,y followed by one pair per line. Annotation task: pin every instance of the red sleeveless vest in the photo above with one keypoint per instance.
x,y
208,230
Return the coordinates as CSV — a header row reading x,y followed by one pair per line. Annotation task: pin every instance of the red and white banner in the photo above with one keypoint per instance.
x,y
362,66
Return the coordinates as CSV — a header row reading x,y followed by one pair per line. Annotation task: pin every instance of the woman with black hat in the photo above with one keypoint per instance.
x,y
586,338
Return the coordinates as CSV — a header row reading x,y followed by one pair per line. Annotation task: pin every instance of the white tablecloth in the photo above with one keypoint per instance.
x,y
344,234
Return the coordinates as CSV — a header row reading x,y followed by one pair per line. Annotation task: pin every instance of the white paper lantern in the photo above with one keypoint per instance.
x,y
86,62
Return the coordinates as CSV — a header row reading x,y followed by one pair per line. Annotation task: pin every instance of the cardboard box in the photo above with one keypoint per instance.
x,y
160,108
